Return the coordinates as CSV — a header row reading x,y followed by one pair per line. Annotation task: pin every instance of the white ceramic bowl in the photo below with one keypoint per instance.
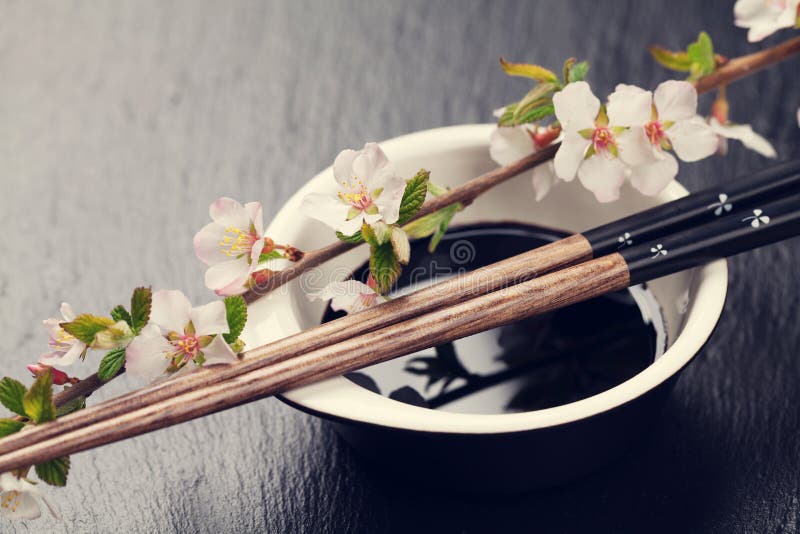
x,y
504,452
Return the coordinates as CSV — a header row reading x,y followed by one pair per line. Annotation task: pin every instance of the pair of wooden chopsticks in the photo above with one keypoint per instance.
x,y
671,237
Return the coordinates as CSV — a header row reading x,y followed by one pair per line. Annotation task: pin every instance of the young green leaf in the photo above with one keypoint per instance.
x,y
537,113
577,72
445,217
119,313
355,238
11,394
507,117
414,196
672,60
141,300
701,54
527,70
72,406
400,244
86,326
271,255
10,426
384,266
38,401
436,190
111,363
236,311
540,95
371,236
54,472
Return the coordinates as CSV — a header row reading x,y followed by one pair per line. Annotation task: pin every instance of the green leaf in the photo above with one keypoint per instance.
x,y
38,401
54,472
577,72
528,70
11,394
444,223
566,68
537,113
86,326
672,60
701,54
369,235
384,266
141,300
236,311
436,190
119,313
10,426
414,196
507,118
272,255
72,406
538,96
111,363
355,238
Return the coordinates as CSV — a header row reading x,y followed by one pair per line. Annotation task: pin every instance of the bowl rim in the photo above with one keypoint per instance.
x,y
342,400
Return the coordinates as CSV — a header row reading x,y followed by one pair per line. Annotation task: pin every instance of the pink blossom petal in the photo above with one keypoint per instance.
x,y
745,134
67,312
629,105
576,107
343,165
324,208
170,310
651,179
256,214
53,328
228,212
543,178
508,144
570,155
354,225
210,319
224,274
255,254
368,161
218,352
72,355
603,177
635,147
675,101
147,356
207,244
692,139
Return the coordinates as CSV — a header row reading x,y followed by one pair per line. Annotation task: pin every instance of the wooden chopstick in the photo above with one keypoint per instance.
x,y
567,286
568,251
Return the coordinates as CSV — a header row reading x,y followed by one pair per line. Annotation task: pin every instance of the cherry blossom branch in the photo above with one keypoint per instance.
x,y
732,70
743,66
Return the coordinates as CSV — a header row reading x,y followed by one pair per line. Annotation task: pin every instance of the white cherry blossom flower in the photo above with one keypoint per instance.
x,y
368,190
20,499
508,144
660,121
590,148
178,334
743,133
765,17
231,245
350,295
65,348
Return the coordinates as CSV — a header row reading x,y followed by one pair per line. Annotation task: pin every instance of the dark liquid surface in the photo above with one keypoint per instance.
x,y
544,361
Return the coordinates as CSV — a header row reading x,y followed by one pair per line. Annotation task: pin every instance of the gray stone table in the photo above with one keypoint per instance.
x,y
121,121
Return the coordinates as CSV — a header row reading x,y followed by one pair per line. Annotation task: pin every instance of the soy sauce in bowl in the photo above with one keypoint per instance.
x,y
536,363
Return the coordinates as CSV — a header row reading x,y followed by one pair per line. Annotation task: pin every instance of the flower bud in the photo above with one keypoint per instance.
x,y
59,377
116,335
544,136
293,254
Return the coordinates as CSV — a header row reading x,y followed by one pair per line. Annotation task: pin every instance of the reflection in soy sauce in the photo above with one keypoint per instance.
x,y
540,362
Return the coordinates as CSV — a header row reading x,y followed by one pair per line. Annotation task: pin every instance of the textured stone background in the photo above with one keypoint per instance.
x,y
120,122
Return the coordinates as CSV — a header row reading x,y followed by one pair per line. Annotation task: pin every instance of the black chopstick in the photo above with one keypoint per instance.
x,y
696,208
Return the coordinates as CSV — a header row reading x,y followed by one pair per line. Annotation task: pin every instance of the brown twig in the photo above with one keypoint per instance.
x,y
733,70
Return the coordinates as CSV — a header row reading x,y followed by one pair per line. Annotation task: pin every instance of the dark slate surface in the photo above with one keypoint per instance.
x,y
119,122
